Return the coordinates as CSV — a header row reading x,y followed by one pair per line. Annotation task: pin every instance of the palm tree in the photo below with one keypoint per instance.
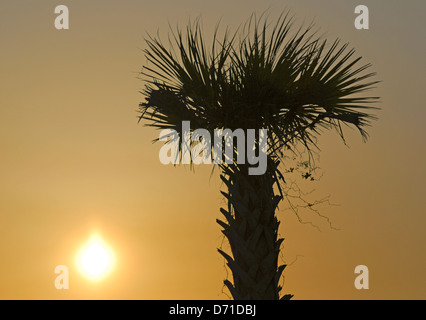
x,y
291,83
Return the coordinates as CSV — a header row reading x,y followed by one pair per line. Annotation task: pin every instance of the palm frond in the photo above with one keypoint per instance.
x,y
290,82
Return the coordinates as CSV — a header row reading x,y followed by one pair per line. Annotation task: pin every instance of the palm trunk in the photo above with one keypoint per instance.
x,y
252,232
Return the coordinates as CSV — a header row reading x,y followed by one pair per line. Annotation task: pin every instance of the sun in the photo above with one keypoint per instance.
x,y
95,260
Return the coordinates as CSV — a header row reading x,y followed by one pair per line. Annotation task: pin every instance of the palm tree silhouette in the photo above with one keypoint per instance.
x,y
291,83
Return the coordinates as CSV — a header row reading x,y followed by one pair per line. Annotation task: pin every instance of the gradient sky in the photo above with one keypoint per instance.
x,y
75,161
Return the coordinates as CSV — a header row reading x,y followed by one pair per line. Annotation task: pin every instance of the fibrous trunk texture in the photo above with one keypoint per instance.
x,y
251,228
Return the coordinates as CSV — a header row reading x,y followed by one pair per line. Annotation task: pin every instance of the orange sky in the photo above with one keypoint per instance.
x,y
75,161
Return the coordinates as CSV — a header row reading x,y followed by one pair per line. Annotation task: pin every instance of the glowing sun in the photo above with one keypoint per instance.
x,y
95,259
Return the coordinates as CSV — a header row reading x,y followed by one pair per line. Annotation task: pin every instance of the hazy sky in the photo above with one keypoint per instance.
x,y
75,161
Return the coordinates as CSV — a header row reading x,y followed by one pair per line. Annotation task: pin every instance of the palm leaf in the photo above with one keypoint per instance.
x,y
290,82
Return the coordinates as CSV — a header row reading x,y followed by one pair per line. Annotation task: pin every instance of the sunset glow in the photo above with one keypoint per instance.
x,y
95,259
92,209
